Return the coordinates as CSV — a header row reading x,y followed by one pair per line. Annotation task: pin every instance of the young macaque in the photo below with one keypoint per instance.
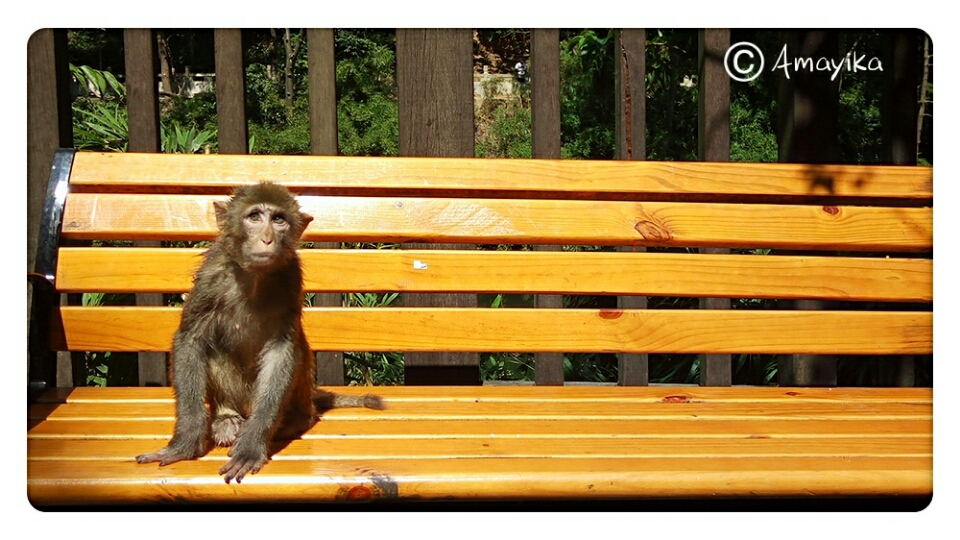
x,y
241,345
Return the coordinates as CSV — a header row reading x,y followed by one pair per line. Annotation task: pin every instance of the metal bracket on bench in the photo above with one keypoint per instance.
x,y
51,220
43,366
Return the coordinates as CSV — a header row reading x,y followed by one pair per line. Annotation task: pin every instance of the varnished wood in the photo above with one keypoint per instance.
x,y
772,276
501,442
550,330
374,219
561,178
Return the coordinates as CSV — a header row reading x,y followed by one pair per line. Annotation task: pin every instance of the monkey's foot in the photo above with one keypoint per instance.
x,y
241,463
225,429
165,456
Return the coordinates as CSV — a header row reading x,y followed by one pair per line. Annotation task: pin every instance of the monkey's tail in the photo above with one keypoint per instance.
x,y
325,401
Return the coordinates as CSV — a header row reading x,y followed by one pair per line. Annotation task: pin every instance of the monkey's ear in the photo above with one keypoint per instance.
x,y
220,209
305,220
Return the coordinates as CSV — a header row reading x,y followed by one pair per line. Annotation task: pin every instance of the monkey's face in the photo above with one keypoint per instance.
x,y
260,226
269,243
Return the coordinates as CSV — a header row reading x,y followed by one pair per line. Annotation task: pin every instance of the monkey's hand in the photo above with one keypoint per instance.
x,y
166,456
243,459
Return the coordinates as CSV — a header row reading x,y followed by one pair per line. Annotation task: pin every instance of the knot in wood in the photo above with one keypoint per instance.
x,y
652,231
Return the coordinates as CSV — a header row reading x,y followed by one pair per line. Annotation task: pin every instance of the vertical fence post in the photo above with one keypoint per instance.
x,y
545,120
143,114
435,90
322,88
713,144
898,121
631,124
49,126
231,114
807,117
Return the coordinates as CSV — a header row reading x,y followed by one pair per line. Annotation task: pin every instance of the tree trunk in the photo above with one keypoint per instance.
x,y
166,72
291,51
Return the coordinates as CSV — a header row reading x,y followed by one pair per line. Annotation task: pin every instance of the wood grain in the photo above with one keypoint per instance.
x,y
477,221
549,330
144,173
649,274
505,442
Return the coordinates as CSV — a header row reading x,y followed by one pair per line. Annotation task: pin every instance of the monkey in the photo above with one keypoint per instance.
x,y
240,345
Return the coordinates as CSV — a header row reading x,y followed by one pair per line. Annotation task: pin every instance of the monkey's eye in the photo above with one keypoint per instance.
x,y
279,219
254,216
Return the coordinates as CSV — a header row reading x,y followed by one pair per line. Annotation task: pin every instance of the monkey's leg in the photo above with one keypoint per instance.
x,y
299,414
226,426
190,384
277,364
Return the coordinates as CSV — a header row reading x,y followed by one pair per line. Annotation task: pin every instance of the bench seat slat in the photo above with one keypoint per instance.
x,y
439,411
537,330
155,173
288,481
737,276
469,450
428,448
379,219
532,432
573,393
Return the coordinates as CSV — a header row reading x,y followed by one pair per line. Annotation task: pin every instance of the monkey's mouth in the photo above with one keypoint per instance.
x,y
261,259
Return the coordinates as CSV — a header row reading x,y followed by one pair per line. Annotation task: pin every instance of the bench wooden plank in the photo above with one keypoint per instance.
x,y
737,276
574,393
150,173
379,219
44,427
524,330
434,448
303,481
438,411
459,445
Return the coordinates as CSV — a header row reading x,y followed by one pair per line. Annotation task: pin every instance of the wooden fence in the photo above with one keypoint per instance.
x,y
435,89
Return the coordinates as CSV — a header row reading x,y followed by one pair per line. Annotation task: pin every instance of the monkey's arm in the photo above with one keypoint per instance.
x,y
276,365
190,383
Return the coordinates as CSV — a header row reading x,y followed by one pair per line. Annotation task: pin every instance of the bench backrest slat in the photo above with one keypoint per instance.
x,y
513,221
541,330
112,269
540,178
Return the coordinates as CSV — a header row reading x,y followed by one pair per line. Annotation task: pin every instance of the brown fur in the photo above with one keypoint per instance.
x,y
241,346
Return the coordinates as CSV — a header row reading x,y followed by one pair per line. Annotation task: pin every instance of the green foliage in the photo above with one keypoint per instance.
x,y
100,126
587,105
859,120
672,107
199,111
175,139
504,130
507,366
752,135
290,137
100,120
367,111
101,84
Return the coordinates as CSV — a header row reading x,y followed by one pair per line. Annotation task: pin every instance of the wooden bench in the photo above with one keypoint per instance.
x,y
853,234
